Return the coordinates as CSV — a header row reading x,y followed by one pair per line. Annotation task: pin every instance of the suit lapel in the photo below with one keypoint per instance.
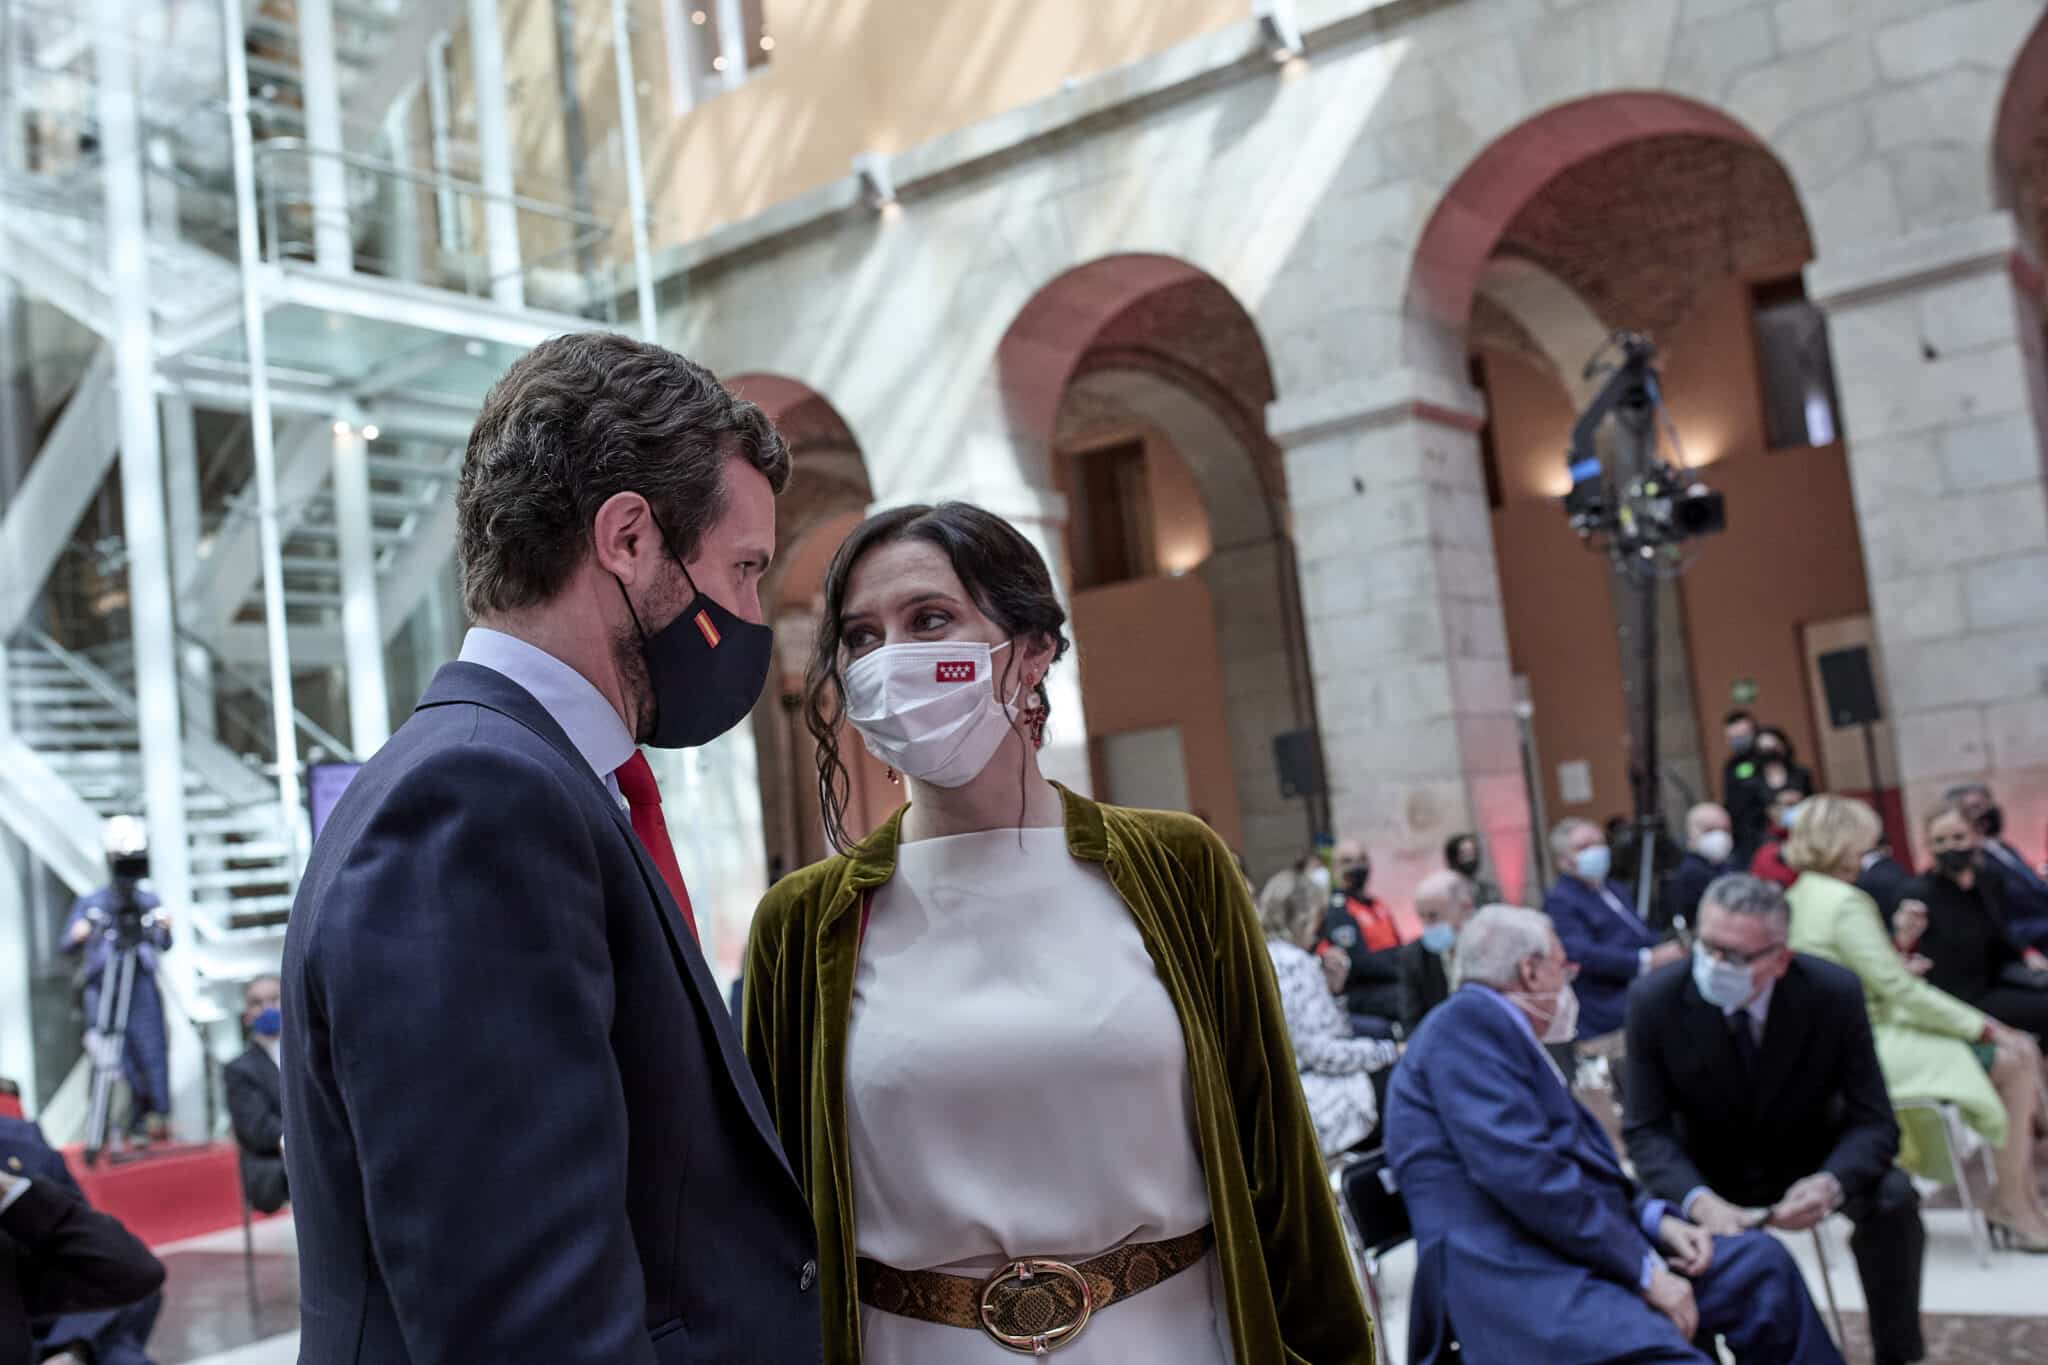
x,y
473,684
1709,1025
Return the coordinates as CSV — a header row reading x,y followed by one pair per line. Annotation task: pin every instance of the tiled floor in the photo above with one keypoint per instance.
x,y
1976,1313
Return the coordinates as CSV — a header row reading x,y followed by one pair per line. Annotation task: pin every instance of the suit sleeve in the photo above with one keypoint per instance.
x,y
258,1120
1487,1098
1594,958
1411,987
1869,1142
462,978
78,1260
1867,950
1649,1120
1320,1314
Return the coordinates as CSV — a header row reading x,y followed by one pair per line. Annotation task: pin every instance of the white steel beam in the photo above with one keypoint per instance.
x,y
152,612
367,296
249,251
320,81
494,145
369,706
636,181
61,484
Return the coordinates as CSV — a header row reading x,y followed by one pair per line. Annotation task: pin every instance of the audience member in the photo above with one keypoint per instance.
x,y
1754,1092
1371,932
1883,878
59,1257
1443,902
1752,806
1924,1034
1340,1072
255,1098
1769,861
1464,856
1709,853
1532,1243
92,930
1964,932
98,1336
1596,918
2026,892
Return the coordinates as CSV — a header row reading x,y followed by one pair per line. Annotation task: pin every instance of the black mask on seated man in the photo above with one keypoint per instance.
x,y
1356,878
1991,822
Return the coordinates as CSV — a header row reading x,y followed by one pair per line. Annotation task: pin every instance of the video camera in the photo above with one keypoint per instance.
x,y
126,840
1641,504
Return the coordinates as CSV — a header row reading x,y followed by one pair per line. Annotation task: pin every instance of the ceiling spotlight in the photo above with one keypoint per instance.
x,y
877,186
699,18
1279,29
718,63
370,432
341,427
767,43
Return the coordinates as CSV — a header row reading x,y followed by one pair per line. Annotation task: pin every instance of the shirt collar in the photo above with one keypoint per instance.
x,y
1758,1009
271,1046
567,696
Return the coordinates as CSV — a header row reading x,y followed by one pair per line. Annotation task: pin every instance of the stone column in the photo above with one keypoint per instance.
x,y
1937,342
1406,636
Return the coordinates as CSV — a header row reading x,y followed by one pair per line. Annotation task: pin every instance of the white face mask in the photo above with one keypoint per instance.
x,y
1716,844
1564,1012
930,710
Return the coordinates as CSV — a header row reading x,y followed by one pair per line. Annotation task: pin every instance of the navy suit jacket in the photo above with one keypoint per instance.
x,y
2026,894
518,1124
1606,945
1528,1240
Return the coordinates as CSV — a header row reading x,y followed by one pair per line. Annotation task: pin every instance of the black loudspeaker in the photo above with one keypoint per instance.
x,y
1851,687
1300,766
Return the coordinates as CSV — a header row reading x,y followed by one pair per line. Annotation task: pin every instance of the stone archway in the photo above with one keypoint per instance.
x,y
1148,353
828,495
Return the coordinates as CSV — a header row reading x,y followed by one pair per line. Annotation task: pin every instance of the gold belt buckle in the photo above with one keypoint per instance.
x,y
1026,1273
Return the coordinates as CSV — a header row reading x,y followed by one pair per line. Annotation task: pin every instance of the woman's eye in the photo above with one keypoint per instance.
x,y
929,620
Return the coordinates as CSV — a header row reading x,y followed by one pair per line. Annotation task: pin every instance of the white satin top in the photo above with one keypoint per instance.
x,y
1017,1085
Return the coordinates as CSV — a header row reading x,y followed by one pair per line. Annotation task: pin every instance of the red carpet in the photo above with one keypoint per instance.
x,y
174,1192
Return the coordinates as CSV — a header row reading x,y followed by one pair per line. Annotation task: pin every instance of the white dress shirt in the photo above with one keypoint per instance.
x,y
590,722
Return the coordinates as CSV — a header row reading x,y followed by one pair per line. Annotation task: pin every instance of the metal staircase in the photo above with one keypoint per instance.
x,y
78,719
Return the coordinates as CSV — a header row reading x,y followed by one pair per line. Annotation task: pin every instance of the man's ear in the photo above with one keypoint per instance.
x,y
621,536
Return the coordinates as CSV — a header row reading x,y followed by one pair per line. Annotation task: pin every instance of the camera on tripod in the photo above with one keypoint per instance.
x,y
126,840
1640,503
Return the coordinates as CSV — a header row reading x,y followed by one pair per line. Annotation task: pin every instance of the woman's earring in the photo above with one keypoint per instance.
x,y
895,780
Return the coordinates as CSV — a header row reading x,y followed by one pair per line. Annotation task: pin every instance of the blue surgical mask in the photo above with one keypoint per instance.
x,y
1439,937
1593,863
1721,984
268,1023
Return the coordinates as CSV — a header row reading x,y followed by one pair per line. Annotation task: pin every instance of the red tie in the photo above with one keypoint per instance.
x,y
636,783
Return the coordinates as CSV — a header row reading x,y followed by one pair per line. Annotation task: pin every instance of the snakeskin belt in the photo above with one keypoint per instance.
x,y
1031,1306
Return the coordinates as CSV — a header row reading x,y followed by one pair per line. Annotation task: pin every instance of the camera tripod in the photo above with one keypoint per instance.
x,y
107,1043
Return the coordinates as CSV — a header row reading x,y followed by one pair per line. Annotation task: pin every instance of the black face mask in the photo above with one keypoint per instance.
x,y
1355,880
1955,860
1467,865
1991,822
706,667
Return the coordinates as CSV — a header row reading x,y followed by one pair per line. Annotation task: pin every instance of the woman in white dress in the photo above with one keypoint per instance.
x,y
1336,1065
1025,1051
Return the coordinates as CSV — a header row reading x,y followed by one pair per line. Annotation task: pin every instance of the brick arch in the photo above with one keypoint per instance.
x,y
1104,302
1484,199
2019,142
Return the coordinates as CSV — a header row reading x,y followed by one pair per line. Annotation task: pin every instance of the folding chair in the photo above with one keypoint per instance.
x,y
1952,1130
1827,1284
1375,1220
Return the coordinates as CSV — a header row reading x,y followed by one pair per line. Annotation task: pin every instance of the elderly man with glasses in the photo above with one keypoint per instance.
x,y
1532,1242
1754,1097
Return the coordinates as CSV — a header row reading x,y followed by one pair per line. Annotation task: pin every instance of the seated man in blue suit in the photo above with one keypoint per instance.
x,y
1531,1242
1601,930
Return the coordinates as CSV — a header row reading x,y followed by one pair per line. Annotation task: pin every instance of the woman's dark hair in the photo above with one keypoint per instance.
x,y
1451,847
1001,570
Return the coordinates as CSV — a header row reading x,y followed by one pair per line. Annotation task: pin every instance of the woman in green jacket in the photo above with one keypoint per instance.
x,y
1924,1035
1024,1050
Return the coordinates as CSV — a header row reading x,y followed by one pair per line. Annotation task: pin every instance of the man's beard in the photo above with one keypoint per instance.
x,y
636,685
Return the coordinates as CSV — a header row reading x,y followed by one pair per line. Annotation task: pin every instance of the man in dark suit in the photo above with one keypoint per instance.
x,y
1532,1244
2026,891
1443,902
1754,1091
71,1280
1597,920
518,1124
256,1097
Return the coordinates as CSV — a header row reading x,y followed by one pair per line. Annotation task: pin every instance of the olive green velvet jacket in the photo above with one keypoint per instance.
x,y
1291,1291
